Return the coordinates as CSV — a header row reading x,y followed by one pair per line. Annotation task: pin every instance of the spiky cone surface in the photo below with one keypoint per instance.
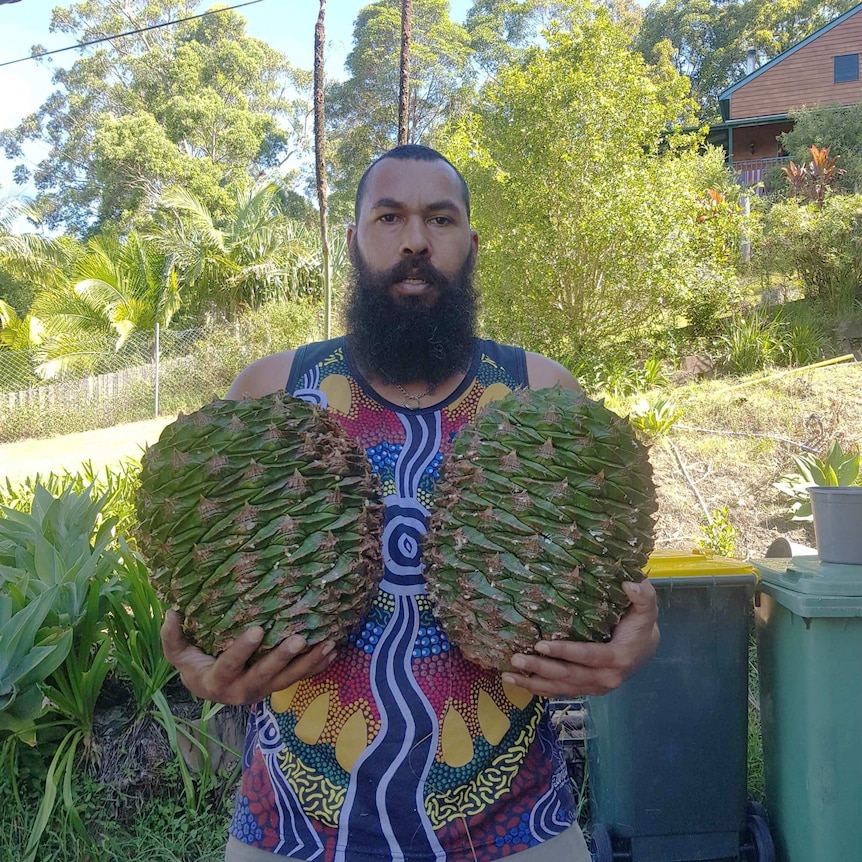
x,y
545,507
260,512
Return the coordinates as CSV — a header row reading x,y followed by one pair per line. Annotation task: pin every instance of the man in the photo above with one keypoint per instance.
x,y
393,746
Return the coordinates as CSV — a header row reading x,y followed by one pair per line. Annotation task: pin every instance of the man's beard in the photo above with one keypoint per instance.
x,y
403,340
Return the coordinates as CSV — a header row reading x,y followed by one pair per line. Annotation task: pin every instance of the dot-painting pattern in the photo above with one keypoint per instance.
x,y
399,709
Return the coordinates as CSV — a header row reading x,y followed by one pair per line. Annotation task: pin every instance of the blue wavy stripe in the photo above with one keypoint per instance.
x,y
384,800
422,442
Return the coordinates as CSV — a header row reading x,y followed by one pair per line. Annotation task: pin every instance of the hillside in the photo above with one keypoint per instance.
x,y
733,442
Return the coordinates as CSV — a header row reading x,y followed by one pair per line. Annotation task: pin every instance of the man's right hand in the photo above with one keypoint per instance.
x,y
227,679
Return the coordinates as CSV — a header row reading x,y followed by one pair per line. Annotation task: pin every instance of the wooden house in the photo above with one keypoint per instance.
x,y
823,69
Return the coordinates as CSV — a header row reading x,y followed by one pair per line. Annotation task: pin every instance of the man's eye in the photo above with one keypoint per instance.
x,y
441,220
388,218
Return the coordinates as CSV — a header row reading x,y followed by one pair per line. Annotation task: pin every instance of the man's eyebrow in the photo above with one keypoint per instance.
x,y
392,204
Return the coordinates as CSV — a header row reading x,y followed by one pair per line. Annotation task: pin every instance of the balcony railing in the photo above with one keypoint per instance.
x,y
752,171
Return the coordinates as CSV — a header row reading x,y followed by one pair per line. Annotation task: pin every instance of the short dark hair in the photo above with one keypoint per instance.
x,y
415,152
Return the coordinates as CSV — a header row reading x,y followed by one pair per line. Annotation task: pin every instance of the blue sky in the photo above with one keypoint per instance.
x,y
287,25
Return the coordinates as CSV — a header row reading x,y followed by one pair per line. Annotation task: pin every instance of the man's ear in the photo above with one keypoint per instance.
x,y
351,234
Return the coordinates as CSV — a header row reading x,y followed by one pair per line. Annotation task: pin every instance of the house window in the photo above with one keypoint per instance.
x,y
846,68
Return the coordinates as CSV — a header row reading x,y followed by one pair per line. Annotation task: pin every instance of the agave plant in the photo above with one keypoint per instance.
x,y
836,468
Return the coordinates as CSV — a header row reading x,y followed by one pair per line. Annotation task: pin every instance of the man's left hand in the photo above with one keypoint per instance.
x,y
574,669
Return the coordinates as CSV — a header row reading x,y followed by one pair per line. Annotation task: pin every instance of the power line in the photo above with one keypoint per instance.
x,y
128,33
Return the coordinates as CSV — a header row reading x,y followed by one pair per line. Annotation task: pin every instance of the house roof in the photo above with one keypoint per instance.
x,y
724,96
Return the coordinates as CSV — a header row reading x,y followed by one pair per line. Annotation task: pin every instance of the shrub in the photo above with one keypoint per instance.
x,y
823,245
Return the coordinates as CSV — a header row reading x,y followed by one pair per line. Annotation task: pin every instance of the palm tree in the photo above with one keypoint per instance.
x,y
404,70
253,255
119,287
320,166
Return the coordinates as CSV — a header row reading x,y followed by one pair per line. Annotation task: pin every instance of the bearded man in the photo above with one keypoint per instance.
x,y
380,749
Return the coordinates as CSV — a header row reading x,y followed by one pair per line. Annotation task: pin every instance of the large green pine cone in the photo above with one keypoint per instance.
x,y
260,512
544,509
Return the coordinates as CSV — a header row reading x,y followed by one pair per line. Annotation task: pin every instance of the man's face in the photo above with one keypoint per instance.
x,y
413,217
411,312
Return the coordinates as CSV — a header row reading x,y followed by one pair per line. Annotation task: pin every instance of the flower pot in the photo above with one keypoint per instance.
x,y
837,514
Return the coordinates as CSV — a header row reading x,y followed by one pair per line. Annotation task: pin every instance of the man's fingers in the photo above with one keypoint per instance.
x,y
173,640
642,595
231,663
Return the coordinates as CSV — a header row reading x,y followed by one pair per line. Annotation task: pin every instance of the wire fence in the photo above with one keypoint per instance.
x,y
98,384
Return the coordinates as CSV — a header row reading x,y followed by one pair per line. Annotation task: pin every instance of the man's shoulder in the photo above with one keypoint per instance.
x,y
544,372
263,377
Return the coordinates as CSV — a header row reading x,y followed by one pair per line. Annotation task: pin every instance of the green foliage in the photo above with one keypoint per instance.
x,y
115,486
822,245
249,254
362,111
708,41
719,535
118,286
586,216
836,467
655,419
61,549
803,344
750,343
837,128
198,104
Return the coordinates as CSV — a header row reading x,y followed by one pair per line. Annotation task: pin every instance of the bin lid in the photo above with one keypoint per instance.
x,y
810,576
695,563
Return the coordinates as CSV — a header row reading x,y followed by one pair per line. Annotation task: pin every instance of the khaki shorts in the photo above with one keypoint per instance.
x,y
568,845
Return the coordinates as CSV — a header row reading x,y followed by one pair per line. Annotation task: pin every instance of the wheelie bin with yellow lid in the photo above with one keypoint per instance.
x,y
667,750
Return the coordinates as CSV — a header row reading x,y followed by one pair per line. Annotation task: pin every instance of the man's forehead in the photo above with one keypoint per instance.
x,y
399,180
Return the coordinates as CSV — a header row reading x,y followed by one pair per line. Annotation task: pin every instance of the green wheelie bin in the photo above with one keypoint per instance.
x,y
809,653
667,750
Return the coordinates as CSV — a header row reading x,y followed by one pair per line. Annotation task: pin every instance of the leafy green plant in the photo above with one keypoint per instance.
x,y
61,550
135,620
29,653
750,343
719,535
117,485
803,344
655,419
837,467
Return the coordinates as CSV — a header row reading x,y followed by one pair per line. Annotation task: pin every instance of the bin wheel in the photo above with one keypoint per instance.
x,y
755,808
600,844
758,829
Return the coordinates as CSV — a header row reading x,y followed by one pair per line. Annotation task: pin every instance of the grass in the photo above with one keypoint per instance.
x,y
163,831
102,447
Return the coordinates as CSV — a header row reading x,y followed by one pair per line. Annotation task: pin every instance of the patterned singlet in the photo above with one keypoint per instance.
x,y
401,749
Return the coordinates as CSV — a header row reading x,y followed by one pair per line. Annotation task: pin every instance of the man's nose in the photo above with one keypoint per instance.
x,y
414,239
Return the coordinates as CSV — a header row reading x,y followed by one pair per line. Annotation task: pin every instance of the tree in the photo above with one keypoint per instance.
x,y
320,163
119,286
251,254
839,129
197,103
501,30
710,38
404,70
363,110
585,199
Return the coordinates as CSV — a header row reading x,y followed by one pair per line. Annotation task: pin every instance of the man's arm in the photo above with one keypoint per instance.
x,y
227,679
571,668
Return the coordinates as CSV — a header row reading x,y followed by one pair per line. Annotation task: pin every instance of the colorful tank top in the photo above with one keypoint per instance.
x,y
401,749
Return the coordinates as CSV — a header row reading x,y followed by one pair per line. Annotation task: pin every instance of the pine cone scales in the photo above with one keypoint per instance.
x,y
544,509
260,512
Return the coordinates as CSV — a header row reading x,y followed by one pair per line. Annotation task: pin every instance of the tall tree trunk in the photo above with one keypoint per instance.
x,y
404,74
320,166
